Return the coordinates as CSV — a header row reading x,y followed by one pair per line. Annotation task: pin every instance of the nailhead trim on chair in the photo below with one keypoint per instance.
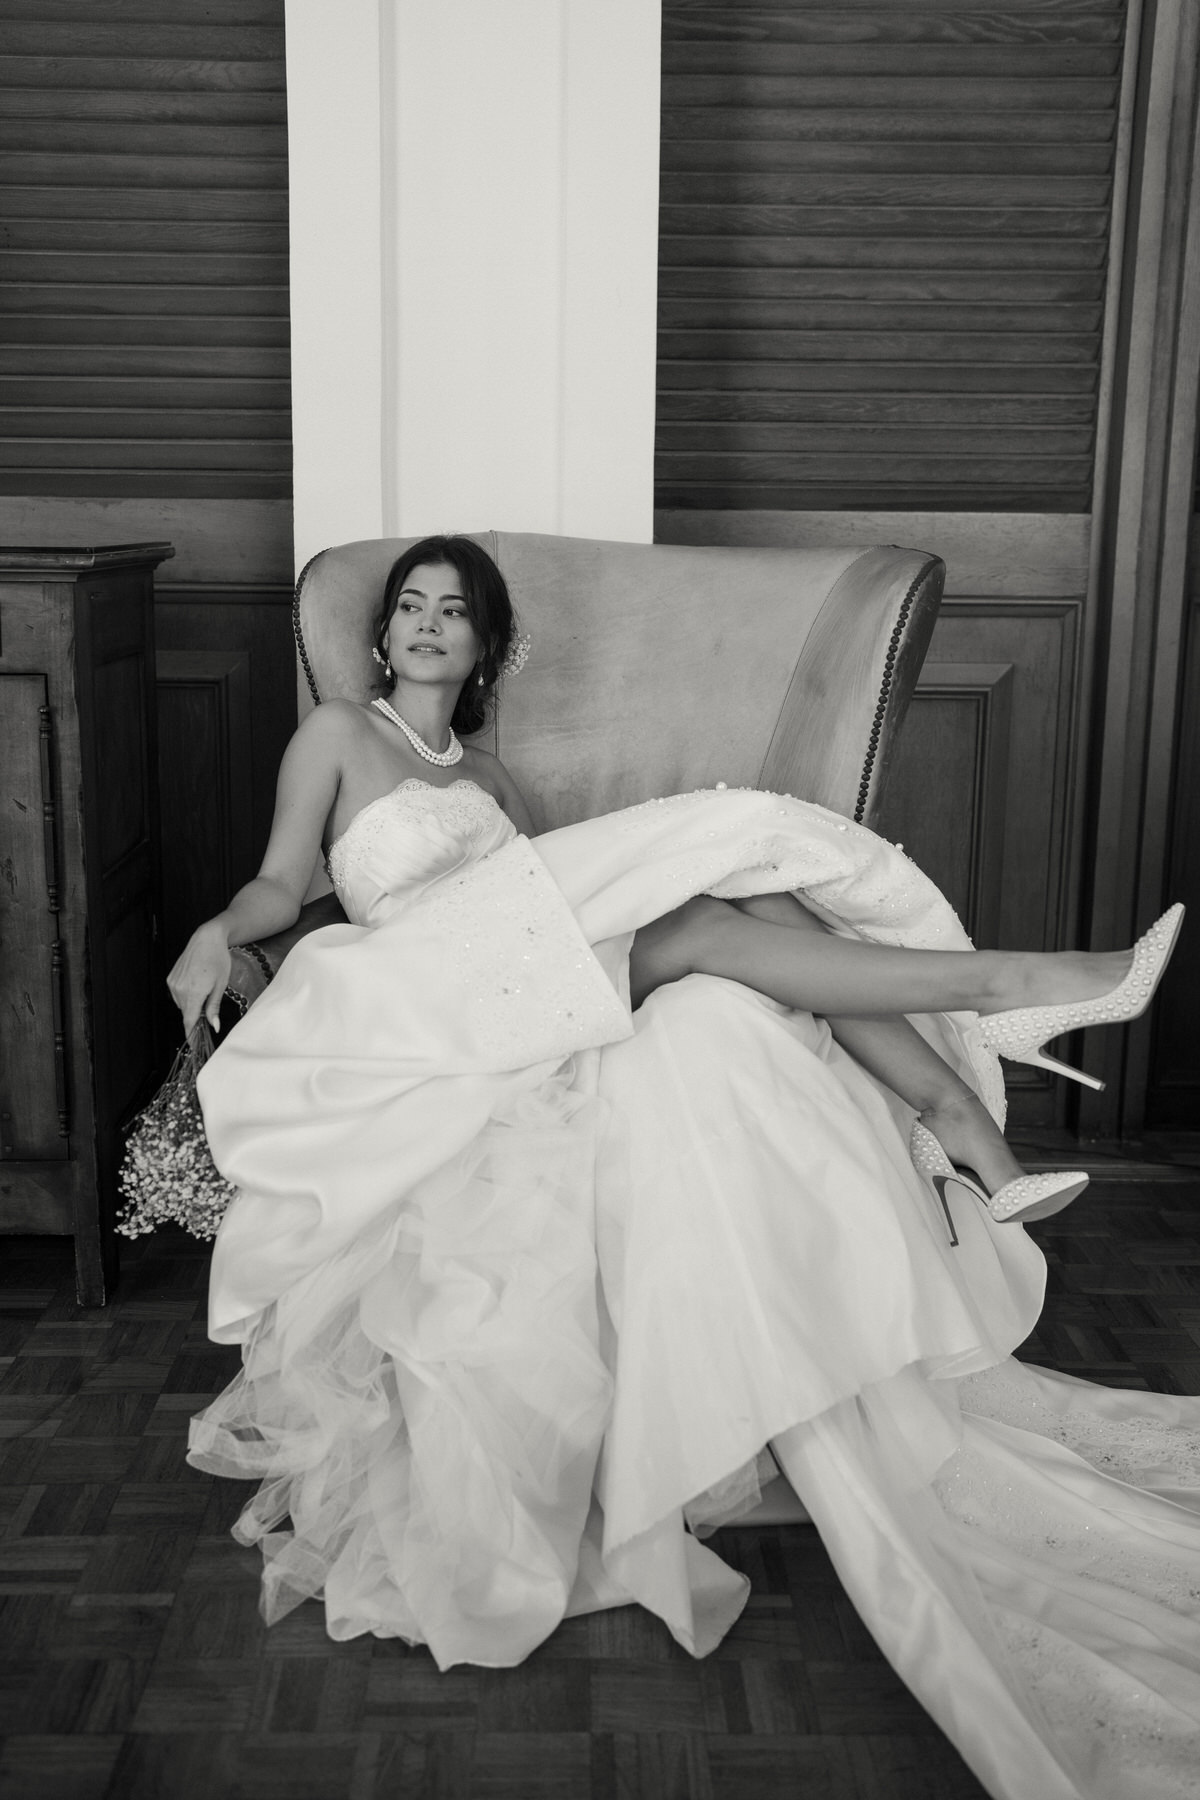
x,y
301,649
885,686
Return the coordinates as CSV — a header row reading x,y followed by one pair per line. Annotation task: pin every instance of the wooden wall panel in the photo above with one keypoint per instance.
x,y
1173,1101
1039,641
957,741
143,209
204,736
883,250
226,708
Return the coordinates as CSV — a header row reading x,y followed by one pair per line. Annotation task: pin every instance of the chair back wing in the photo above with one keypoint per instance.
x,y
658,668
838,727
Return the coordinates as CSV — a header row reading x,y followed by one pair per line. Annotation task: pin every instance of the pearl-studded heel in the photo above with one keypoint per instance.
x,y
1024,1198
930,1159
1022,1034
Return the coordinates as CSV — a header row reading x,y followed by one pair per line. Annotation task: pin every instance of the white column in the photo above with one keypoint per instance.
x,y
474,249
609,261
334,180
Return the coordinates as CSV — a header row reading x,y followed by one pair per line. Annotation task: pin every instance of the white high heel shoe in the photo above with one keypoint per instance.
x,y
1025,1197
1022,1033
928,1158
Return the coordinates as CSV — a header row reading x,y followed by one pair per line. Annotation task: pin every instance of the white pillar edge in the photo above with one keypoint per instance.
x,y
336,270
610,268
474,244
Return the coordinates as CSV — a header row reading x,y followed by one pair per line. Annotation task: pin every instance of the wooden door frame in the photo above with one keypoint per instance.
x,y
1141,522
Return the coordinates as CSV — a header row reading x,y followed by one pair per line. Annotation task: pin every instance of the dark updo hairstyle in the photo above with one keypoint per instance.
x,y
489,608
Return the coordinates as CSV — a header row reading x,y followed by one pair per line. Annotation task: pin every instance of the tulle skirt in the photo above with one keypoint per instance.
x,y
585,1287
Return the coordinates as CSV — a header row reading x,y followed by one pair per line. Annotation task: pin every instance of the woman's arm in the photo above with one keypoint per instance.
x,y
306,790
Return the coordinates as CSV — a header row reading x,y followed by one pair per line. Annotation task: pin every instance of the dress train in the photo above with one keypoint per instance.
x,y
526,1288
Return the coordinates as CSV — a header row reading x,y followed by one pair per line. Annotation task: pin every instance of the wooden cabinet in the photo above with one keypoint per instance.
x,y
79,886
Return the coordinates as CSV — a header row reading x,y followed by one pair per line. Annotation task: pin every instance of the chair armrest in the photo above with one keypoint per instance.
x,y
255,965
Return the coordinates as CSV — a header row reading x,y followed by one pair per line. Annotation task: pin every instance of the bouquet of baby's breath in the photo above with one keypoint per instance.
x,y
168,1175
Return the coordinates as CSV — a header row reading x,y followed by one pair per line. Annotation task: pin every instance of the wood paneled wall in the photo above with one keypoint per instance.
x,y
929,277
884,233
143,211
144,371
887,249
1173,1101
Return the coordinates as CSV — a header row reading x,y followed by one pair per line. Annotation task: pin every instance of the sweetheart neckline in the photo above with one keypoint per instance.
x,y
410,781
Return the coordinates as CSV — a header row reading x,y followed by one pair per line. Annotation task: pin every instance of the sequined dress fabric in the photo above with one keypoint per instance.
x,y
527,1285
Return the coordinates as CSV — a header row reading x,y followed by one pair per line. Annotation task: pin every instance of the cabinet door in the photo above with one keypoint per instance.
x,y
33,1102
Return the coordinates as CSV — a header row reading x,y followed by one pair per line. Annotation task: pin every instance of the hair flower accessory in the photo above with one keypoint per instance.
x,y
518,656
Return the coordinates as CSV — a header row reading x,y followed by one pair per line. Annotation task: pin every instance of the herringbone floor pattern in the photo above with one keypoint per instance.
x,y
134,1666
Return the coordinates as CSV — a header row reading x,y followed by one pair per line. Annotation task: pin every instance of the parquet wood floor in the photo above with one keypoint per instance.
x,y
134,1666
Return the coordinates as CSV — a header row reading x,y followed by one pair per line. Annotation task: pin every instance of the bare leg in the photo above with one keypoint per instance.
x,y
892,1050
837,976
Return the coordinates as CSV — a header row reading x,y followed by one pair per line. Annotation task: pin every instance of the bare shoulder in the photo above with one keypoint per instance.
x,y
329,730
323,743
334,718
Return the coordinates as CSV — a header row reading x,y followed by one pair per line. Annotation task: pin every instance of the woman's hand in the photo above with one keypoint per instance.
x,y
201,976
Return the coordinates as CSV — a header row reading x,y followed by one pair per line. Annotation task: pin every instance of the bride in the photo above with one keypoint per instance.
x,y
587,1181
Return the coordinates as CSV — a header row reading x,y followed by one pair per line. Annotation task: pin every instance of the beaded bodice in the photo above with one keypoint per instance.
x,y
397,846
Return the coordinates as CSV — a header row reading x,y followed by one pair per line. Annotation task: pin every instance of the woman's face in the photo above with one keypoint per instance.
x,y
429,638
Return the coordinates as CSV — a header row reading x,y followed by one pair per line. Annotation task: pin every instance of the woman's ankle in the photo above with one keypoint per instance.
x,y
970,1137
1005,979
949,1109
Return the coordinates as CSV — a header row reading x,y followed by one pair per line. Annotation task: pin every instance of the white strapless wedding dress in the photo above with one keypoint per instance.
x,y
526,1288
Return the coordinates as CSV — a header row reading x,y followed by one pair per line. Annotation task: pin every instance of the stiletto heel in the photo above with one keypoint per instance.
x,y
930,1159
939,1188
1037,1059
1022,1033
1025,1197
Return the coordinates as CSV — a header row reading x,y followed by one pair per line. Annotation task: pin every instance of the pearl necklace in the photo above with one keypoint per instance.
x,y
442,759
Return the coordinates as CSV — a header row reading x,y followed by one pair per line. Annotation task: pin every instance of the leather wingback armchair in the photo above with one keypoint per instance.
x,y
655,669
